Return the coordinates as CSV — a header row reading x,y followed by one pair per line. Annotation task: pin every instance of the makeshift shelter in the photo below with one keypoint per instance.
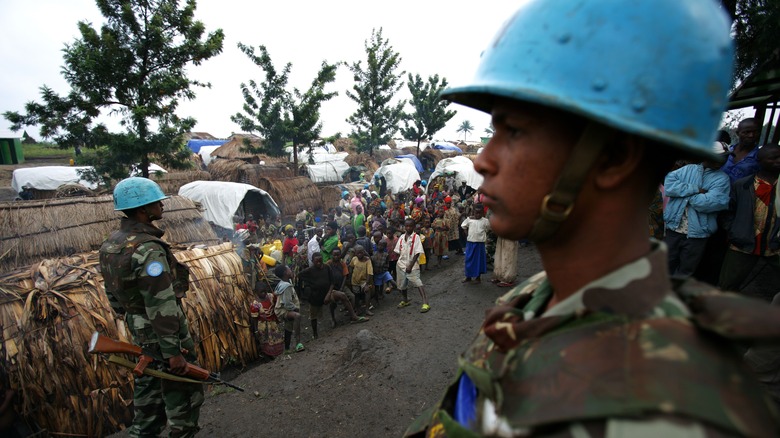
x,y
197,145
413,159
243,172
447,147
363,159
328,172
461,168
236,149
294,194
170,182
430,158
43,182
399,174
34,230
331,195
223,200
205,154
48,312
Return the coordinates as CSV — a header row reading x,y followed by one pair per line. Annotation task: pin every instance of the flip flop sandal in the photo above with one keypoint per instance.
x,y
403,304
505,284
359,320
425,308
299,348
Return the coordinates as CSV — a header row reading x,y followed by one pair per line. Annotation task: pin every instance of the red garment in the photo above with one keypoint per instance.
x,y
251,226
241,227
289,244
762,215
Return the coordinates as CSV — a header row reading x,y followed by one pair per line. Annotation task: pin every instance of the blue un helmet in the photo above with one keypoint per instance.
x,y
136,192
660,69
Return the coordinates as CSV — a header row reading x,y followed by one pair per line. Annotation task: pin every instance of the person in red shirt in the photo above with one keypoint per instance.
x,y
290,242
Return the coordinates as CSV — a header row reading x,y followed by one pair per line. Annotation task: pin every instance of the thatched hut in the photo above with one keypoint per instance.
x,y
34,230
236,149
171,182
292,194
49,311
243,172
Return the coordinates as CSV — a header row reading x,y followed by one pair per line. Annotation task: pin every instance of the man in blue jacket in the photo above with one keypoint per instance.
x,y
697,192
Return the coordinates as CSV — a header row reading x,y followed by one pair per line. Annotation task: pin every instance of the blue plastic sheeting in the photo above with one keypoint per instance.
x,y
447,147
417,164
195,145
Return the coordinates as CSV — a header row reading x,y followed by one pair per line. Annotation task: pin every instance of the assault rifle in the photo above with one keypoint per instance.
x,y
194,374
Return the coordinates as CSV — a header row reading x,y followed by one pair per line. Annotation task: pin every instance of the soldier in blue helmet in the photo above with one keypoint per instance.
x,y
592,101
145,283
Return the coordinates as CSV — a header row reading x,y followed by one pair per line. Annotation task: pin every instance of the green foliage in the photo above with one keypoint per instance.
x,y
756,29
430,112
45,150
465,127
278,115
133,66
376,119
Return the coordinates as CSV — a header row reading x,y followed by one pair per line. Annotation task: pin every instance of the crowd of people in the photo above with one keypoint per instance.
x,y
718,216
356,253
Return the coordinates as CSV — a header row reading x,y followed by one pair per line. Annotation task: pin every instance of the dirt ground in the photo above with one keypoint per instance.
x,y
362,380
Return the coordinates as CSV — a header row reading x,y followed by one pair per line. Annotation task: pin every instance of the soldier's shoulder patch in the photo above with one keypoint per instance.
x,y
154,269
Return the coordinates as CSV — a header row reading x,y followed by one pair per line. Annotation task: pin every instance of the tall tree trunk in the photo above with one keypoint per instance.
x,y
418,148
295,158
145,166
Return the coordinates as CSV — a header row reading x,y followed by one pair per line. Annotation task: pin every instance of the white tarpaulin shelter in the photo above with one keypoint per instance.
x,y
49,177
205,153
222,200
153,168
463,170
399,174
330,171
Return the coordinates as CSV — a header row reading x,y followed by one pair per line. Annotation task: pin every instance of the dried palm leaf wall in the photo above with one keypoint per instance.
x,y
243,172
171,182
49,311
292,194
35,230
330,195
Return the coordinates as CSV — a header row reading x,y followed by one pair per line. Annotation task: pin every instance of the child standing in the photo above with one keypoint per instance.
x,y
476,256
362,277
379,262
408,247
440,236
288,308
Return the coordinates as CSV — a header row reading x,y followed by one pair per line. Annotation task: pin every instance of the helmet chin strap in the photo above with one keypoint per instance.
x,y
558,204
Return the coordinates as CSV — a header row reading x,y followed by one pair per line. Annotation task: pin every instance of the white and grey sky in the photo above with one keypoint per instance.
x,y
432,36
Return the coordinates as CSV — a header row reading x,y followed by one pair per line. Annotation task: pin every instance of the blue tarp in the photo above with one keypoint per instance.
x,y
447,147
417,164
195,145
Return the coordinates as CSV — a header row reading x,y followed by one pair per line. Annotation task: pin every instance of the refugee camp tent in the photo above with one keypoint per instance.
x,y
135,169
447,147
463,170
330,171
413,158
49,177
222,200
205,153
400,174
197,145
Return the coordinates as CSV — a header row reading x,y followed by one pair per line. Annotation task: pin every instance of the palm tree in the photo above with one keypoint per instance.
x,y
466,127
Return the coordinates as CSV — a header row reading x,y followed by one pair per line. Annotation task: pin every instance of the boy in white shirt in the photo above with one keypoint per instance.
x,y
409,247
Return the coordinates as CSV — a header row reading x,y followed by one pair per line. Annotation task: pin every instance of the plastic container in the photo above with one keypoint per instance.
x,y
268,260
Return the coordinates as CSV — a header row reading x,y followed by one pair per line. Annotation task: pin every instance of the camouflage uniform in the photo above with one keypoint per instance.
x,y
140,283
627,355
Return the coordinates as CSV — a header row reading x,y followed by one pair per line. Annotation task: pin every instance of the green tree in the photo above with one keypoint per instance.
x,y
376,119
278,115
430,112
756,26
465,127
134,66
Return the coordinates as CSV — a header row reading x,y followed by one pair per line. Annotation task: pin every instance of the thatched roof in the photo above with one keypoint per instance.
x,y
34,230
171,182
235,149
199,136
292,194
243,172
50,310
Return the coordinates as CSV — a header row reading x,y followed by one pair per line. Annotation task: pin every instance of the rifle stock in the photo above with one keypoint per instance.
x,y
103,344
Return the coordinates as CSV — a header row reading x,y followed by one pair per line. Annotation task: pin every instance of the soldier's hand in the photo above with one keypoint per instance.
x,y
177,364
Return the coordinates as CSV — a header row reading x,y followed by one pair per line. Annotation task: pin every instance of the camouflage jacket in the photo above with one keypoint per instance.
x,y
626,355
143,279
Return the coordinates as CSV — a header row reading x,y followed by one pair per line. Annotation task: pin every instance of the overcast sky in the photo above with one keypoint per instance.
x,y
432,37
